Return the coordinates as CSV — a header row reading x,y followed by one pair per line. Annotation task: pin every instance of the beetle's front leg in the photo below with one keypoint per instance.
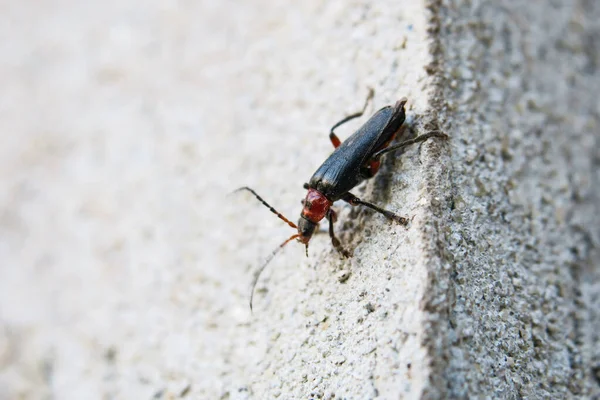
x,y
332,217
355,201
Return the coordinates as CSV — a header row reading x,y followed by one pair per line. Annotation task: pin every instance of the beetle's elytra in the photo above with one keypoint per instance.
x,y
354,160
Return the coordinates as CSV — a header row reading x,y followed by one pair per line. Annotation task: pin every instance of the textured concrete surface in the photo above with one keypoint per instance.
x,y
125,263
516,314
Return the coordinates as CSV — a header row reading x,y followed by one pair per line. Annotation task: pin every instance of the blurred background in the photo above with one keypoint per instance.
x,y
125,263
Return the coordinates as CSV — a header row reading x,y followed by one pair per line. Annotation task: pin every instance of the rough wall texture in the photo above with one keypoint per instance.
x,y
125,265
516,296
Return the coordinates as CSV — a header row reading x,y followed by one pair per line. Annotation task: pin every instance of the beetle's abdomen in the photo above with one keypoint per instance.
x,y
342,171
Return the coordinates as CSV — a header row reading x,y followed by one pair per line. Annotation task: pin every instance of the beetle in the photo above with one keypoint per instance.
x,y
356,159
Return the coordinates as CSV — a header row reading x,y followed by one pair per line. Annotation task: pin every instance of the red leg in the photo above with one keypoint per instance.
x,y
335,141
332,136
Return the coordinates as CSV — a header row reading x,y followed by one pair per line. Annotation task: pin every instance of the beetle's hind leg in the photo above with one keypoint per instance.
x,y
355,201
332,217
418,139
332,136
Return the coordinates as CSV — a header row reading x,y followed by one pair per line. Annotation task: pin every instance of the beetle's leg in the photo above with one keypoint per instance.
x,y
335,141
420,138
371,168
332,136
332,217
355,201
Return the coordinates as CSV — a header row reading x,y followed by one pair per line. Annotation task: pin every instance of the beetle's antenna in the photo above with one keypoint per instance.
x,y
306,249
267,261
274,211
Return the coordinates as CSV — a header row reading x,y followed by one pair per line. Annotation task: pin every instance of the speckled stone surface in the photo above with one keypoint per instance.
x,y
125,261
515,299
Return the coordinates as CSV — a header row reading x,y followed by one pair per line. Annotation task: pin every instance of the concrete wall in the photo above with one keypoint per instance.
x,y
515,315
125,262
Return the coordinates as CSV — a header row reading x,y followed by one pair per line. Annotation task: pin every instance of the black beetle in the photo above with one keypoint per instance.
x,y
354,160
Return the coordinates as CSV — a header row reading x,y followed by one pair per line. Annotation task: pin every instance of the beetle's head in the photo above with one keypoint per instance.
x,y
306,228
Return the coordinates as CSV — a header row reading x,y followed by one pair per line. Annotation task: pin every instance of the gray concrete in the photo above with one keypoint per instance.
x,y
514,301
126,263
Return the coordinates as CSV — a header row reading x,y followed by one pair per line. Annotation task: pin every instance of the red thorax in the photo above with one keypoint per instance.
x,y
316,206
